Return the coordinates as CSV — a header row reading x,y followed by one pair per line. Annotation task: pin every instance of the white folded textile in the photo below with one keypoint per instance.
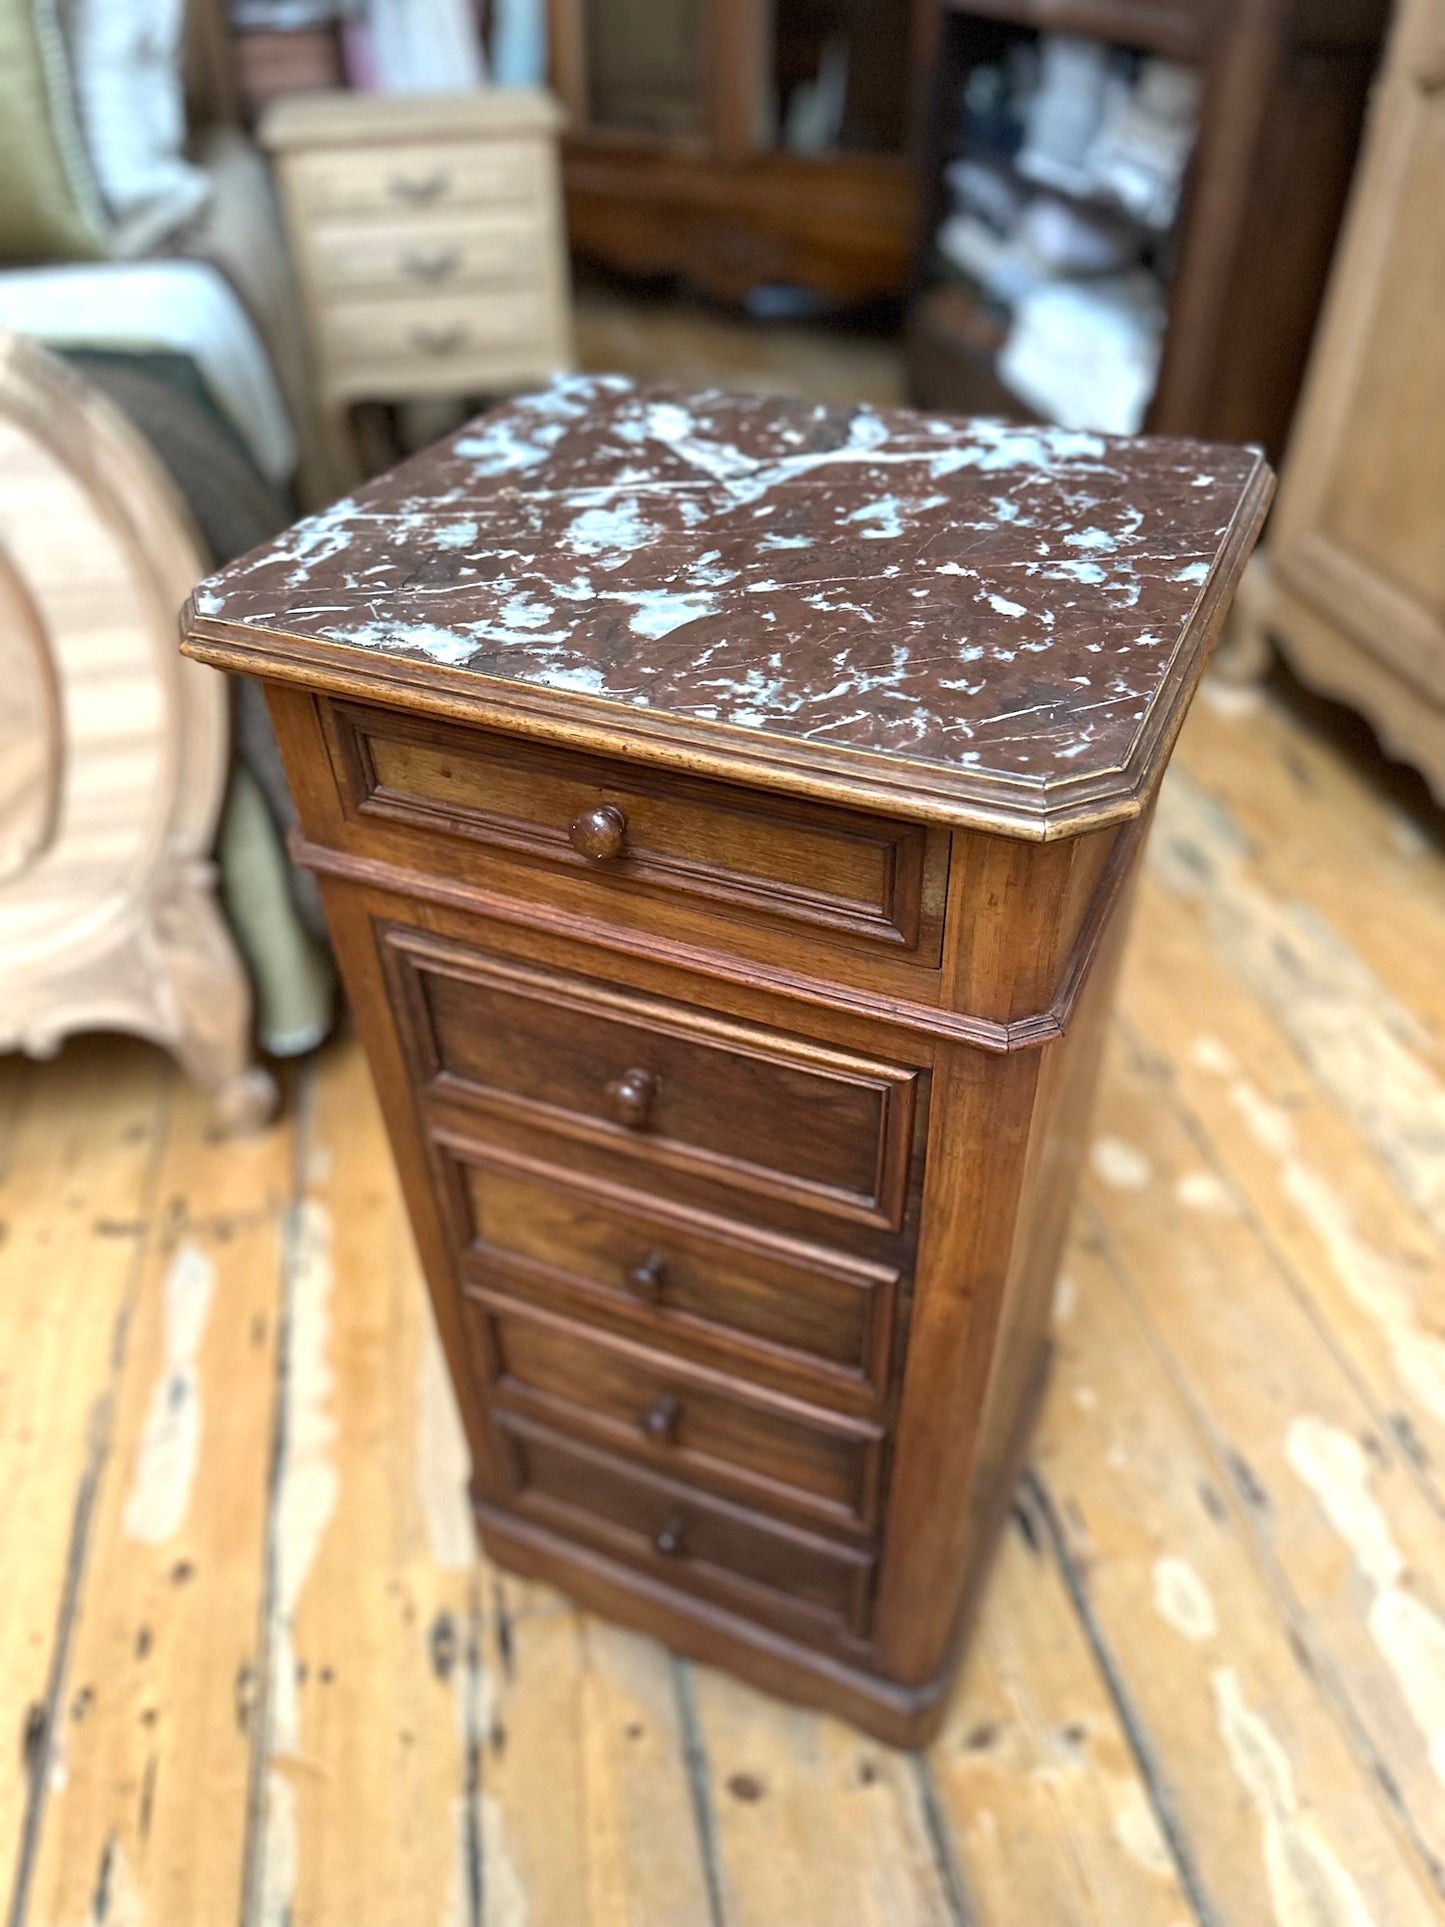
x,y
1085,354
181,307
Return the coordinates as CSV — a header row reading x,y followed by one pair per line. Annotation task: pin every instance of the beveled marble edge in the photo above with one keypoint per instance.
x,y
1036,809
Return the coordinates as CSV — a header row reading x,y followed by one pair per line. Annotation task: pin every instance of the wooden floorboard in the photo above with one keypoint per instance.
x,y
587,1800
1363,1261
253,1671
1274,1813
162,1658
1052,1812
78,1196
371,1696
813,1822
1350,1545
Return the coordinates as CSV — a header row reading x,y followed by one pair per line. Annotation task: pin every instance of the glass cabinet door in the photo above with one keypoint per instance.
x,y
647,67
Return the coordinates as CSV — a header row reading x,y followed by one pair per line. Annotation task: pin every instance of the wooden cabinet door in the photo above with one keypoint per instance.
x,y
1359,532
691,75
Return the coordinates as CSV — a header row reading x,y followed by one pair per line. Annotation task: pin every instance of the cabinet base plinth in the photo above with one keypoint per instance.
x,y
898,1715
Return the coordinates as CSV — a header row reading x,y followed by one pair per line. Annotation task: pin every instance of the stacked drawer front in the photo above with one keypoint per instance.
x,y
683,1239
437,254
682,1242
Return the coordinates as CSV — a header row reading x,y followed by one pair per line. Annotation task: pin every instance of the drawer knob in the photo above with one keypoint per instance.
x,y
630,1097
660,1419
418,189
439,341
672,1540
435,266
598,834
646,1277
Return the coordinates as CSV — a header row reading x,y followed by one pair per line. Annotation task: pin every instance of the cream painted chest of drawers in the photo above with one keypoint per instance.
x,y
428,237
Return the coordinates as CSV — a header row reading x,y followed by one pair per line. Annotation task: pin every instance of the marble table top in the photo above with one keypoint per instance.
x,y
983,604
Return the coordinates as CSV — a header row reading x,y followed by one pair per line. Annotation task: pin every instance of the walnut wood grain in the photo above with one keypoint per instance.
x,y
842,874
760,1564
737,1073
797,1313
678,1087
685,1419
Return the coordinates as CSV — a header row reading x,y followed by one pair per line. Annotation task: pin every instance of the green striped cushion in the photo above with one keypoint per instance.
x,y
50,207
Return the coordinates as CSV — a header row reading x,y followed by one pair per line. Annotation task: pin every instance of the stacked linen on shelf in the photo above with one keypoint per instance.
x,y
1064,199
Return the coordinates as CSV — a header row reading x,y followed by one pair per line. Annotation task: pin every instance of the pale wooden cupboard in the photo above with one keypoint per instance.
x,y
1352,583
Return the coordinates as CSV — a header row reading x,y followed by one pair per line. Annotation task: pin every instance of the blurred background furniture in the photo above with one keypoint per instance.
x,y
172,258
1352,585
428,235
141,244
742,144
1197,191
114,752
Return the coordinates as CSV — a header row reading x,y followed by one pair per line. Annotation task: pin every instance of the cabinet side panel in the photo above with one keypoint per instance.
x,y
296,720
1015,915
982,1117
1068,1085
1006,1140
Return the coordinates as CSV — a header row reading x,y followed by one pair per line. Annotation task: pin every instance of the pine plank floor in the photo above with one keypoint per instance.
x,y
253,1671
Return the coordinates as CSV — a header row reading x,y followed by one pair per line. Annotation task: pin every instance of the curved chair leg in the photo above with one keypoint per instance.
x,y
209,1000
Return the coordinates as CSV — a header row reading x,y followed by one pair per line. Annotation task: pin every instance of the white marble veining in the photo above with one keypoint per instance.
x,y
968,593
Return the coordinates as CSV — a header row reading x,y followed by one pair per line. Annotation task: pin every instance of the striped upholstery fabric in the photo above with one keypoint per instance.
x,y
126,56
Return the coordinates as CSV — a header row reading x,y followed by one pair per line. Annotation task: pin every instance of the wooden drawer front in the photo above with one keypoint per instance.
x,y
670,1274
676,1086
850,875
688,1421
703,1544
368,180
433,256
434,329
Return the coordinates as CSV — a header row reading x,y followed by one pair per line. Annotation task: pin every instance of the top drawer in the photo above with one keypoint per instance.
x,y
619,829
431,176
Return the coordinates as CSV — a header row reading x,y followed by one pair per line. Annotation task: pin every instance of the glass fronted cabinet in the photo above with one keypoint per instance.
x,y
744,145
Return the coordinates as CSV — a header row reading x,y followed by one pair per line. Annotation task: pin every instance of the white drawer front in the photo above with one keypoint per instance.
x,y
436,332
415,179
426,255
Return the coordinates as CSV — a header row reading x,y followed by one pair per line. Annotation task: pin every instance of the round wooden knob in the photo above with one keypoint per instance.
x,y
598,834
660,1419
630,1098
645,1278
673,1537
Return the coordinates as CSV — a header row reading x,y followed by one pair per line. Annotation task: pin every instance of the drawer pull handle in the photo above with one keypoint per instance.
x,y
418,188
630,1097
660,1419
598,834
439,341
646,1277
435,266
672,1540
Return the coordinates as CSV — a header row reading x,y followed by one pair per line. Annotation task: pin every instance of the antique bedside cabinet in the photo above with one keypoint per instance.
x,y
726,811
